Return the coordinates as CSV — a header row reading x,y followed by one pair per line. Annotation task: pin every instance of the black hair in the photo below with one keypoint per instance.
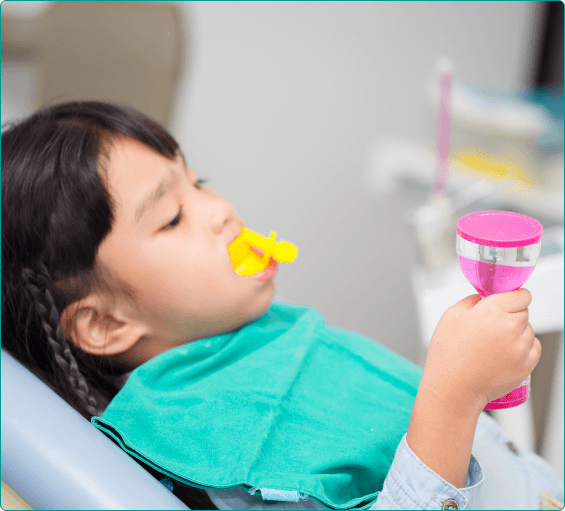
x,y
56,211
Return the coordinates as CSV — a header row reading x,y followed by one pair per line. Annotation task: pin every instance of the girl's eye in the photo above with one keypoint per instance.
x,y
175,221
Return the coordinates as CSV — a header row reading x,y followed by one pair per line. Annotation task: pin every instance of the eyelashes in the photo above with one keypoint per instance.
x,y
177,220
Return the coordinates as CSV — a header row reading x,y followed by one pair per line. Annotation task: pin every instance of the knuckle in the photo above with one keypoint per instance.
x,y
536,352
523,318
529,333
523,349
511,322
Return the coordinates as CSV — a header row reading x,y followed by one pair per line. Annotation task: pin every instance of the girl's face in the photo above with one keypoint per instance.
x,y
169,244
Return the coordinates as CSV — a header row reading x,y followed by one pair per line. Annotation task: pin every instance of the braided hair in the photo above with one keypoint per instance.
x,y
55,213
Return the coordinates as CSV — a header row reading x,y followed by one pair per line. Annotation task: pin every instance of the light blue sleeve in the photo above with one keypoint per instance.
x,y
410,484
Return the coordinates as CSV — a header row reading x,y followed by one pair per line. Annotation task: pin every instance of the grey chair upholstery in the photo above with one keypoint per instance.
x,y
53,458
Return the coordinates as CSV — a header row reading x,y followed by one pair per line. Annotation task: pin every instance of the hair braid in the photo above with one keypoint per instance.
x,y
54,163
49,316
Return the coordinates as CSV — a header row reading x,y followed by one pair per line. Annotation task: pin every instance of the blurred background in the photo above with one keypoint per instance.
x,y
318,120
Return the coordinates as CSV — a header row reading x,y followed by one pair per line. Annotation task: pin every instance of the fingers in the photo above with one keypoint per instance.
x,y
533,345
465,304
521,319
531,348
535,354
528,333
513,301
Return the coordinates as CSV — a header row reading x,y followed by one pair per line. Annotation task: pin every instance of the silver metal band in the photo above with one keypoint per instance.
x,y
507,256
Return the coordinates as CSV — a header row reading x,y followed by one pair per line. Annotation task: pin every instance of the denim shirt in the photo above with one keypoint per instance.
x,y
500,476
410,484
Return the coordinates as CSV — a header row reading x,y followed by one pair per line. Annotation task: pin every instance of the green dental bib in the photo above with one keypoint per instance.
x,y
283,403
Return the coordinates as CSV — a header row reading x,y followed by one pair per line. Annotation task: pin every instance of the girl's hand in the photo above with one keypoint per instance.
x,y
482,349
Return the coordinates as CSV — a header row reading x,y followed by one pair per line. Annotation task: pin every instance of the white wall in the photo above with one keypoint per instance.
x,y
280,104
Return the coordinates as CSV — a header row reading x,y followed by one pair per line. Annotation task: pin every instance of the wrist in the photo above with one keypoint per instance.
x,y
448,403
441,432
453,393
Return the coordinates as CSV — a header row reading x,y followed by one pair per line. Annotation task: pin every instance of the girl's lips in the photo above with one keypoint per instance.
x,y
268,273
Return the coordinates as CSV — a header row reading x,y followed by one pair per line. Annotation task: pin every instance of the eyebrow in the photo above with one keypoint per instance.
x,y
155,194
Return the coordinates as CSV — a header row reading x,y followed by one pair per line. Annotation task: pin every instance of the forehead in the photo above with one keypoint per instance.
x,y
131,168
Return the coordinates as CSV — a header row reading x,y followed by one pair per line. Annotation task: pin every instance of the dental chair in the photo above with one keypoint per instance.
x,y
53,458
129,53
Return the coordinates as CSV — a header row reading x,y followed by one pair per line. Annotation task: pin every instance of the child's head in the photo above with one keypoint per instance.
x,y
112,250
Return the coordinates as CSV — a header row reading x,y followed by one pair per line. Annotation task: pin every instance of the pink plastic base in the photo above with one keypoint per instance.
x,y
514,398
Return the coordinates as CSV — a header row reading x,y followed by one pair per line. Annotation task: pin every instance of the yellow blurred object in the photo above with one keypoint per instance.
x,y
247,262
494,168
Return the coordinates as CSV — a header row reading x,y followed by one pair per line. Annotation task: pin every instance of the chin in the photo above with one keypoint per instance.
x,y
252,305
265,300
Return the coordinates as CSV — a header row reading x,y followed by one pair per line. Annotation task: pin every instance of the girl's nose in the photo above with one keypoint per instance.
x,y
222,214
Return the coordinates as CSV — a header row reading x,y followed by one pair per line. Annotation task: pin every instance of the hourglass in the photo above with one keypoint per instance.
x,y
498,251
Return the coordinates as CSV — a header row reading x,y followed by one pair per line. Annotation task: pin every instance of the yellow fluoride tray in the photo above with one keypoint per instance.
x,y
248,262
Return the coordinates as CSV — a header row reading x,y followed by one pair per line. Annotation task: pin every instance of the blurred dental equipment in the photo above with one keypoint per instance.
x,y
433,224
445,71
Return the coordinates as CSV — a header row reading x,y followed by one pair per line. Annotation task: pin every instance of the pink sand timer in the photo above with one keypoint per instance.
x,y
498,251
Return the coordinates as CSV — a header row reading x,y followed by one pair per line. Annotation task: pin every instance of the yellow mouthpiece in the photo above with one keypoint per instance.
x,y
247,262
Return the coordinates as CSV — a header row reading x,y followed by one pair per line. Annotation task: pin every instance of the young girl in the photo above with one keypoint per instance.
x,y
118,291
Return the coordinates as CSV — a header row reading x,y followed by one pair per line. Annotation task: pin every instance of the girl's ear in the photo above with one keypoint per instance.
x,y
95,328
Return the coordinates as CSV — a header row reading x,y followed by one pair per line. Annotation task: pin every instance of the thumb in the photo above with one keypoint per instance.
x,y
466,303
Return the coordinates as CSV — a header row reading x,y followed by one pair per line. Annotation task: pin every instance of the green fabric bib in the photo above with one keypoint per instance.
x,y
283,403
